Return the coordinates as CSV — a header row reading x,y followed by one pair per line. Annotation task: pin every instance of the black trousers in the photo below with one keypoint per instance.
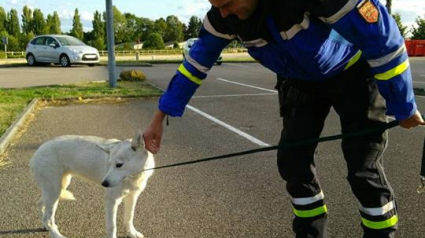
x,y
304,108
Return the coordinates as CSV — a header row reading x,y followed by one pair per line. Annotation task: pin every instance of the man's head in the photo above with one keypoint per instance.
x,y
241,8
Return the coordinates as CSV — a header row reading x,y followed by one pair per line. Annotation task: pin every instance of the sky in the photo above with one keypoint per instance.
x,y
155,9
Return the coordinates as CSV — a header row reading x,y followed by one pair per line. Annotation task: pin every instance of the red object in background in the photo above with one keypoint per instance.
x,y
415,47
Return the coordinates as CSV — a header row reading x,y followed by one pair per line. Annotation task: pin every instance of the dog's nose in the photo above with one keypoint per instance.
x,y
105,183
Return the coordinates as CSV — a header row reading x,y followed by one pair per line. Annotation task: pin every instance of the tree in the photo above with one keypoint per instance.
x,y
418,33
154,41
131,28
145,26
3,18
25,39
27,20
388,5
77,26
401,27
193,28
12,24
174,30
160,27
38,22
98,32
53,24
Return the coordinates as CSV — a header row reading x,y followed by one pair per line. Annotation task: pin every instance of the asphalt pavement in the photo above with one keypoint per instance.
x,y
238,197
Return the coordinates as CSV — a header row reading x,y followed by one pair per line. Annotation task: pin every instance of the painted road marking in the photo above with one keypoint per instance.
x,y
235,95
246,85
231,128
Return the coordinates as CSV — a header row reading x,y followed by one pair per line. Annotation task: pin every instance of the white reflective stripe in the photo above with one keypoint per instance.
x,y
197,65
287,35
255,43
344,10
210,29
378,211
387,58
308,200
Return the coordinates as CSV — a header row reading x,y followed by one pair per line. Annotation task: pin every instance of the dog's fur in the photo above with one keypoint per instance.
x,y
117,165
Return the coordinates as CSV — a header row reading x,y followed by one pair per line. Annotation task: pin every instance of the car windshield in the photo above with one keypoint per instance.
x,y
67,40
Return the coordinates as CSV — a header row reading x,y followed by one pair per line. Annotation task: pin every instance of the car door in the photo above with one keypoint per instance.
x,y
39,48
51,52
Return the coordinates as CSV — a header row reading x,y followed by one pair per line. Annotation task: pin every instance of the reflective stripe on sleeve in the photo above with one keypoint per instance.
x,y
387,58
344,10
287,35
394,71
380,224
308,200
210,29
189,75
310,213
353,60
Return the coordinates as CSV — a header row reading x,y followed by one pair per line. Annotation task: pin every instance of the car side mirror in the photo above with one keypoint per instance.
x,y
53,45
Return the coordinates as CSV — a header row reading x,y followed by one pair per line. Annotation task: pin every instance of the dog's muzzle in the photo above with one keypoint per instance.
x,y
105,183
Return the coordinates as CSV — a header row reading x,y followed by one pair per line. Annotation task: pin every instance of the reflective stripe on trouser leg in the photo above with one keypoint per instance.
x,y
309,207
378,218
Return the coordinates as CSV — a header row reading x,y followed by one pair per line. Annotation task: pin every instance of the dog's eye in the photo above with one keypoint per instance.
x,y
119,165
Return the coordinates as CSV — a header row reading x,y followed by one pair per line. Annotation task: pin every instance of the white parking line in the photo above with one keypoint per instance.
x,y
235,95
231,128
246,85
417,82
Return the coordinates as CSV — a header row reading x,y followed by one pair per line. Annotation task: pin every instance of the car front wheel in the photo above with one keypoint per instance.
x,y
31,60
64,60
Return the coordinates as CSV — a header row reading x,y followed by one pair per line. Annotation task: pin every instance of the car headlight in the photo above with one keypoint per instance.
x,y
75,51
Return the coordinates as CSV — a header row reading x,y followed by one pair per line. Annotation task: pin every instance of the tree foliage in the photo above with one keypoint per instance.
x,y
154,41
77,26
174,29
38,22
193,28
401,27
27,20
12,23
98,32
53,24
129,28
418,33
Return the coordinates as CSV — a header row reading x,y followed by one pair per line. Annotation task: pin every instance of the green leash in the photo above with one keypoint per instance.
x,y
382,128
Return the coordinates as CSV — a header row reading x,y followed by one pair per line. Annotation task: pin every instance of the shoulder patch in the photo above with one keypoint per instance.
x,y
368,11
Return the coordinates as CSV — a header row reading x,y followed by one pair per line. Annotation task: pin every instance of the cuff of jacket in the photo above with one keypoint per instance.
x,y
401,111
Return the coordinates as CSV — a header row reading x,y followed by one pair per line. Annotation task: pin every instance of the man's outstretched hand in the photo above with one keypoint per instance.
x,y
413,121
153,133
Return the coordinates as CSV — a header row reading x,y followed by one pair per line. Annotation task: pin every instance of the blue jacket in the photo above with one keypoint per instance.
x,y
305,40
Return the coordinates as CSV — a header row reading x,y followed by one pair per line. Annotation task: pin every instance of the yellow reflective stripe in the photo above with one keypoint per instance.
x,y
310,213
380,224
353,60
393,72
189,75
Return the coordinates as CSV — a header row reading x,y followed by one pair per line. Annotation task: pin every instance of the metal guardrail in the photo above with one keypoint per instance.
x,y
21,54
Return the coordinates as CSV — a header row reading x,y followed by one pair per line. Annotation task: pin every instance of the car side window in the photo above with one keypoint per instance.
x,y
40,41
50,40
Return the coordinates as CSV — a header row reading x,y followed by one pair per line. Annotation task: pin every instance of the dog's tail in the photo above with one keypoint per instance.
x,y
67,195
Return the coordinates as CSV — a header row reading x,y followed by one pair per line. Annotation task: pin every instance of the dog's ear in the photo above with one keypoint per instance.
x,y
106,147
137,141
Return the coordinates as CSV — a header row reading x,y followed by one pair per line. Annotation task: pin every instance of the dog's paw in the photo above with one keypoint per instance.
x,y
136,234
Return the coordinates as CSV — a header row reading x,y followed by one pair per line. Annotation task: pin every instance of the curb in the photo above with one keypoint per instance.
x,y
10,133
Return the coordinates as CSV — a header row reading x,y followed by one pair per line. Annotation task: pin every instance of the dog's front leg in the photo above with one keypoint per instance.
x,y
129,205
111,203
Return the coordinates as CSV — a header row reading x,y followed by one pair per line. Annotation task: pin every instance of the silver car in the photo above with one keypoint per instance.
x,y
60,49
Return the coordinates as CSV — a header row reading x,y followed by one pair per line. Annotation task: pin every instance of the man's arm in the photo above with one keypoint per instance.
x,y
202,56
368,25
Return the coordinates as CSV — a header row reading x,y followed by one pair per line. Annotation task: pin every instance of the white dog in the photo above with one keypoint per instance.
x,y
114,164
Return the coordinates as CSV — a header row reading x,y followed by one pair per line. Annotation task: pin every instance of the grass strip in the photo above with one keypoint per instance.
x,y
13,101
